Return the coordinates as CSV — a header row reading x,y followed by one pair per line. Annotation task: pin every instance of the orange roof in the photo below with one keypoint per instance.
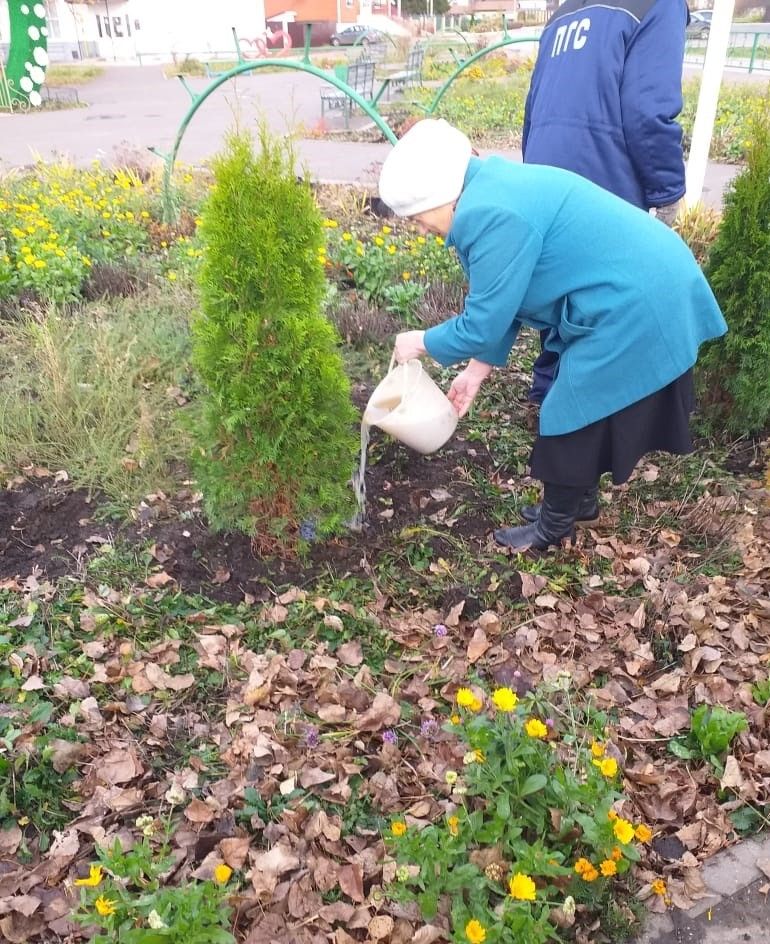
x,y
305,10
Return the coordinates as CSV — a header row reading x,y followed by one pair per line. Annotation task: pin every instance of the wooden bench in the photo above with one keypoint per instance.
x,y
360,79
411,74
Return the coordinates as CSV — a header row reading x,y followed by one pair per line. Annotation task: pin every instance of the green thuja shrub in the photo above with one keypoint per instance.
x,y
275,440
734,373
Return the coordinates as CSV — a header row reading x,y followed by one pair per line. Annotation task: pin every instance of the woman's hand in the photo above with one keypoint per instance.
x,y
409,344
466,385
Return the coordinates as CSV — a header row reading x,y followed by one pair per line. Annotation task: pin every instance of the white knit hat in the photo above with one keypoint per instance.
x,y
426,168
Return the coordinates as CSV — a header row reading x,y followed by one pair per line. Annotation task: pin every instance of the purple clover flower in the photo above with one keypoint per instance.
x,y
312,737
549,722
389,737
440,630
429,728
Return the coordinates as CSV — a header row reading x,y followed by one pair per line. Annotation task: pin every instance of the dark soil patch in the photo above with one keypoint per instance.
x,y
51,530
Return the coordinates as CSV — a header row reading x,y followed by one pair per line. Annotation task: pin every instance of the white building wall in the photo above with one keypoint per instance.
x,y
122,30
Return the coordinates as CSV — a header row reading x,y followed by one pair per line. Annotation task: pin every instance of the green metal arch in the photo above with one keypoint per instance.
x,y
198,98
506,41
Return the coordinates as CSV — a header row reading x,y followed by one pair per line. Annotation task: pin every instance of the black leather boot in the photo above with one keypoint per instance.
x,y
555,522
588,510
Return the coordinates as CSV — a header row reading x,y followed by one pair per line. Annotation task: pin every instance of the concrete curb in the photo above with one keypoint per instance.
x,y
726,875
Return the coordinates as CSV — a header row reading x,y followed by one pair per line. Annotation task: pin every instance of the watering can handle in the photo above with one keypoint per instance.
x,y
404,390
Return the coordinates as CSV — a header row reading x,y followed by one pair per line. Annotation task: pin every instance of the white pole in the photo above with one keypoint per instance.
x,y
711,80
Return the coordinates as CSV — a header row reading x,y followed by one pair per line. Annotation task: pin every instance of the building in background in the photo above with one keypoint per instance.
x,y
165,30
129,30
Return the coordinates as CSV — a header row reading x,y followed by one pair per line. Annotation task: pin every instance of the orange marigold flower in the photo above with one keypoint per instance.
x,y
582,865
454,825
658,887
608,868
616,854
643,833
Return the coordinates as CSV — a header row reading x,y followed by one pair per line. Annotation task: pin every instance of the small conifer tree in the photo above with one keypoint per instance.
x,y
734,372
276,444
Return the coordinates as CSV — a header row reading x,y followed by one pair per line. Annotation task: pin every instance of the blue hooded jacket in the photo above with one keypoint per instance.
x,y
624,303
605,93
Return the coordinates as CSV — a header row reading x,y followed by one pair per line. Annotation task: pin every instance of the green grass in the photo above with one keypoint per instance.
x,y
87,392
58,75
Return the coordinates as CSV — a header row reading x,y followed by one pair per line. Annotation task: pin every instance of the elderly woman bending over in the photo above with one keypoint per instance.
x,y
624,303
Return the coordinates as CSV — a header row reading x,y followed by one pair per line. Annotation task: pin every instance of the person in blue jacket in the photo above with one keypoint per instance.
x,y
624,302
603,101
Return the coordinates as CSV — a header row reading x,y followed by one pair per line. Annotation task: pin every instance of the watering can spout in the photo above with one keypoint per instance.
x,y
409,406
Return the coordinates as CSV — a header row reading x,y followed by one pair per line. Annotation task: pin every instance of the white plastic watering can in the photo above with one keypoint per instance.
x,y
409,406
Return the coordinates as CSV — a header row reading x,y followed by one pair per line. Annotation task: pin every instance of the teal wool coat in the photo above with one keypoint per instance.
x,y
626,302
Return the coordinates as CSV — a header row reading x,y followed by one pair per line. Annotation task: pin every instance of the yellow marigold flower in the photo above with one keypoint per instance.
x,y
398,828
379,241
359,250
105,906
536,728
479,755
590,874
421,240
392,250
386,230
623,830
643,833
582,865
454,825
597,749
659,887
616,854
505,699
331,224
347,237
406,276
455,719
172,276
522,888
40,263
440,240
608,868
608,766
612,815
476,705
94,877
464,697
475,932
222,874
144,215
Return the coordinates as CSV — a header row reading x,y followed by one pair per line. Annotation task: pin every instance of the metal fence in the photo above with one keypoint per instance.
x,y
748,50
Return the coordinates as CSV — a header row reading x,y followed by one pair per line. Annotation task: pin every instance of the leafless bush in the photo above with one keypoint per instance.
x,y
360,323
440,300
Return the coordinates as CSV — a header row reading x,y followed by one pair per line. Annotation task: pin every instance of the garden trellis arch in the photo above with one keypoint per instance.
x,y
303,65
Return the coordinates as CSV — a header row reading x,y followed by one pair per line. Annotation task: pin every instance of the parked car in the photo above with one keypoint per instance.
x,y
362,35
700,24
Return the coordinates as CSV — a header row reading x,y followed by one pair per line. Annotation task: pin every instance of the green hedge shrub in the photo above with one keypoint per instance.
x,y
734,372
276,439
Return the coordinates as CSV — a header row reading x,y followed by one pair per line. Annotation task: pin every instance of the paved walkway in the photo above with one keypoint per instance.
x,y
735,909
132,107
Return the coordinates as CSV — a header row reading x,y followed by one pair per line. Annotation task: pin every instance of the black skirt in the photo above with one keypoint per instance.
x,y
658,423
